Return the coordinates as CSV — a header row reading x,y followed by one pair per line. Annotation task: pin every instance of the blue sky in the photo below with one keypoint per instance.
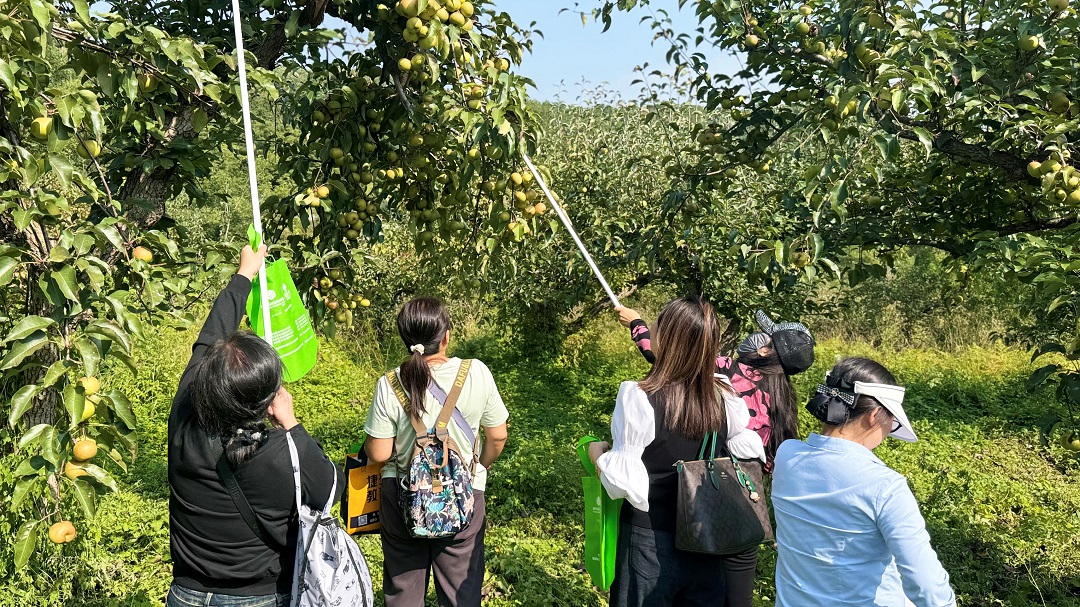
x,y
571,57
570,53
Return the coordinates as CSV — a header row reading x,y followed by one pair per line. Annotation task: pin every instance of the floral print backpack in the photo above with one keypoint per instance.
x,y
437,493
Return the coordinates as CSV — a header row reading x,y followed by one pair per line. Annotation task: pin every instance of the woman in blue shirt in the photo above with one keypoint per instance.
x,y
848,529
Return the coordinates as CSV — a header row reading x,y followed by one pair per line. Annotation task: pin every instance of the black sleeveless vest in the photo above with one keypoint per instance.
x,y
659,458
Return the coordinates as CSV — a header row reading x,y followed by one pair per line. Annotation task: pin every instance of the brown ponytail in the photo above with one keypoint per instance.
x,y
422,322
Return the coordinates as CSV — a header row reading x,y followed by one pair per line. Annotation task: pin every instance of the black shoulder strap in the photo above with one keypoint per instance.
x,y
242,505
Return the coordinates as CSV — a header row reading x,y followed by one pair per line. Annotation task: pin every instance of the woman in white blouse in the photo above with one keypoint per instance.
x,y
656,422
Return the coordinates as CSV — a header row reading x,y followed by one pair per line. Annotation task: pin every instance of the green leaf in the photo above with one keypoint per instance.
x,y
23,217
886,146
1040,375
7,76
62,169
82,10
28,325
22,349
112,235
86,496
31,466
66,280
22,489
106,78
127,360
1059,301
7,269
101,476
115,456
126,438
89,353
74,404
293,23
199,119
1046,426
122,408
25,542
925,138
112,331
818,245
21,403
1047,348
41,13
32,435
50,446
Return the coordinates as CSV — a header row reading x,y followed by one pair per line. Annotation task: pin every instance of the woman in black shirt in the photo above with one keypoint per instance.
x,y
230,387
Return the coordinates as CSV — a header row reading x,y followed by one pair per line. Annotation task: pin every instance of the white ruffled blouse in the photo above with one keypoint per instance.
x,y
633,427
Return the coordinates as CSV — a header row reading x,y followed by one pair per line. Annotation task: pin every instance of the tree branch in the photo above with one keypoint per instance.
x,y
594,310
948,144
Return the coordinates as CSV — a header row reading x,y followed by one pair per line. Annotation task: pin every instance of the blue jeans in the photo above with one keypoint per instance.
x,y
184,597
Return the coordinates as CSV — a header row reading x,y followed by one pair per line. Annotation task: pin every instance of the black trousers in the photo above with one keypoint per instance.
x,y
408,562
651,572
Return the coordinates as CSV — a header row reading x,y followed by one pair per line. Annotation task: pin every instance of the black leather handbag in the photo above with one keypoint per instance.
x,y
715,511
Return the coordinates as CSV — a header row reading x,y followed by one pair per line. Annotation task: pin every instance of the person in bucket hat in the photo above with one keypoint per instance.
x,y
848,529
759,372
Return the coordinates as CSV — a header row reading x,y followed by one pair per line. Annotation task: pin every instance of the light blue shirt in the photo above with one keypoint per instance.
x,y
849,531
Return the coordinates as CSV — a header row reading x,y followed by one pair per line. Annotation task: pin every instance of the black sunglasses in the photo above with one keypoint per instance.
x,y
896,425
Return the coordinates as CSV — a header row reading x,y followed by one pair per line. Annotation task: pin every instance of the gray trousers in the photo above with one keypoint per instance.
x,y
458,563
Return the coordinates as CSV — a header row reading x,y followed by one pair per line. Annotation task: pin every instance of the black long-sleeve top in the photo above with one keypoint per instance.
x,y
213,549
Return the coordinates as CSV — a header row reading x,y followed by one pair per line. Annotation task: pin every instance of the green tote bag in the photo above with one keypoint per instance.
x,y
294,337
601,521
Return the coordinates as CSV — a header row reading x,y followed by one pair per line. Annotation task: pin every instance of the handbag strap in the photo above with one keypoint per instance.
x,y
709,444
238,498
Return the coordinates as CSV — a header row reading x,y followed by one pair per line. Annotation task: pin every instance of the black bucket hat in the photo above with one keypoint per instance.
x,y
792,341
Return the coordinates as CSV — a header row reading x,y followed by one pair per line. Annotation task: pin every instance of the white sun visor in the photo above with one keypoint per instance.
x,y
892,398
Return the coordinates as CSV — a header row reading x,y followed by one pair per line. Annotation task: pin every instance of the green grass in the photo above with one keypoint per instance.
x,y
1002,511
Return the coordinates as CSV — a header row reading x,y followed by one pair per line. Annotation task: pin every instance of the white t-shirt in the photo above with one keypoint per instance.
x,y
479,401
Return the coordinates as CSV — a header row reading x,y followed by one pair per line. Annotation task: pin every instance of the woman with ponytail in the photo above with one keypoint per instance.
x,y
848,528
425,379
231,415
657,422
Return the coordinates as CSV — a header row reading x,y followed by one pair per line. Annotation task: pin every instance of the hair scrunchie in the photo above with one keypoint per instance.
x,y
252,434
418,348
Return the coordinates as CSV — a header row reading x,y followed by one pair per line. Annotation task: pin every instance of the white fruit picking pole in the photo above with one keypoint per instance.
x,y
565,219
249,141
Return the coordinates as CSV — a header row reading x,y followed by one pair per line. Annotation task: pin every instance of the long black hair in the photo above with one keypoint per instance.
x,y
783,409
421,322
843,377
234,385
